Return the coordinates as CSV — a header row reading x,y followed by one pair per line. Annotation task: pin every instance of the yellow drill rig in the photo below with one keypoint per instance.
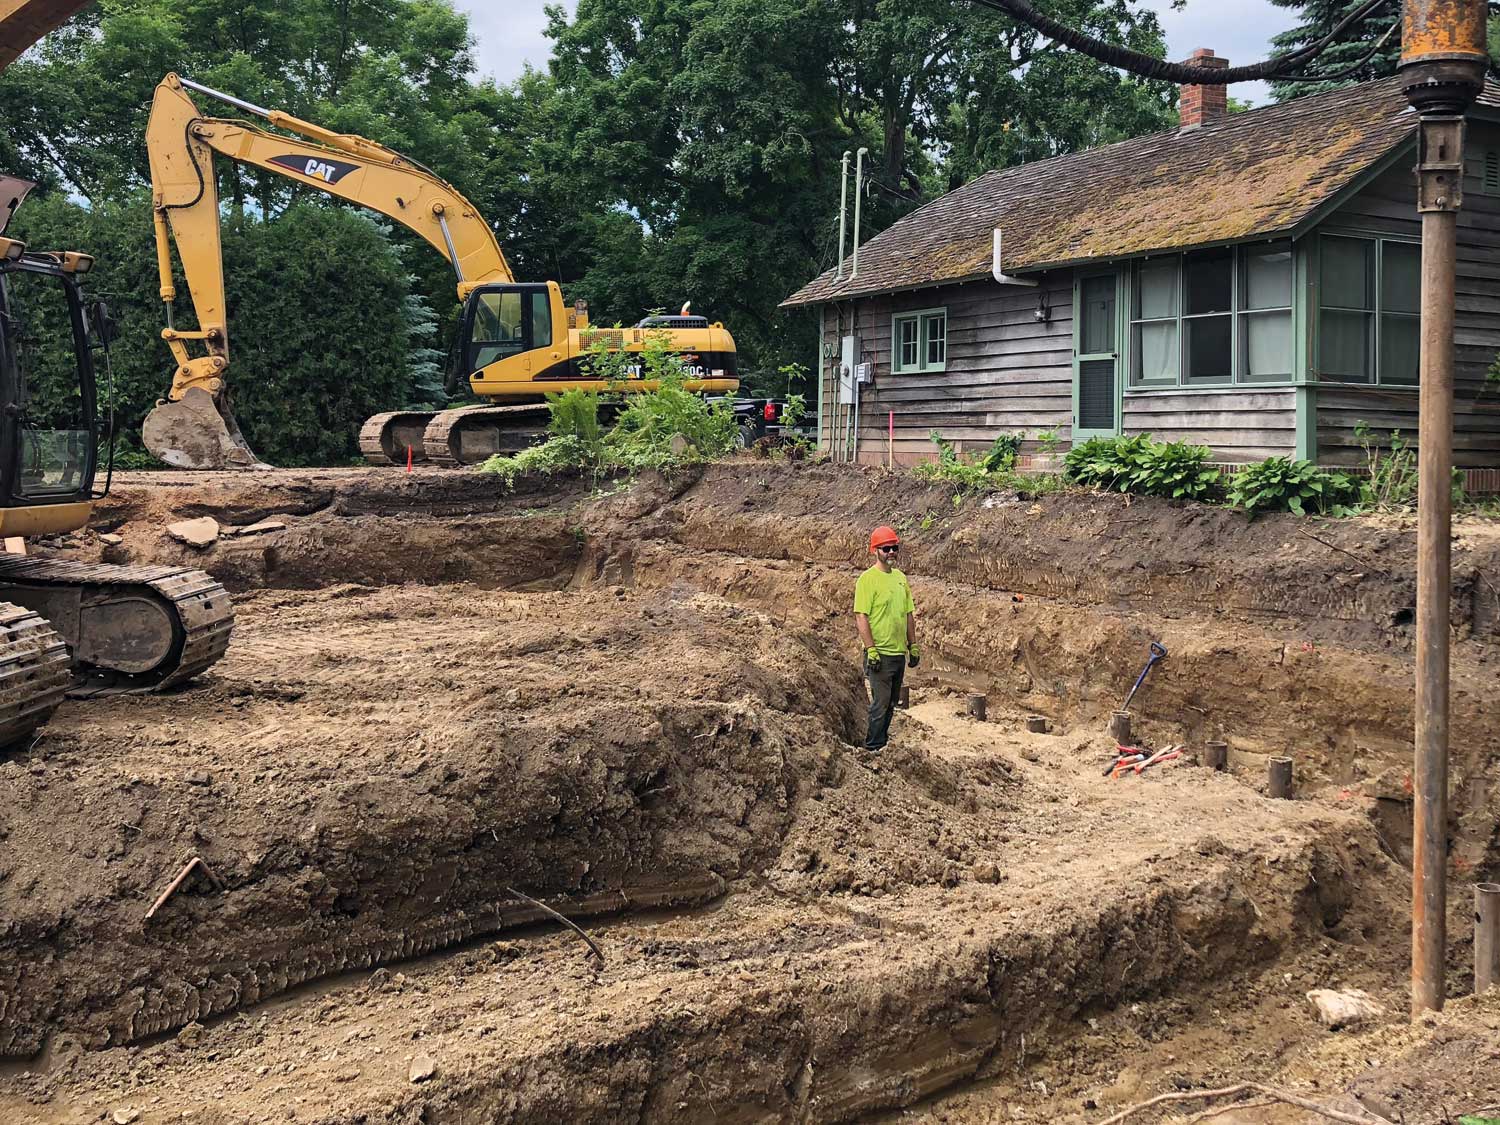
x,y
61,622
519,340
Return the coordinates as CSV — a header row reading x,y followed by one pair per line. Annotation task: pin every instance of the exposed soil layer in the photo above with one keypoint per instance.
x,y
370,769
1286,635
919,923
638,701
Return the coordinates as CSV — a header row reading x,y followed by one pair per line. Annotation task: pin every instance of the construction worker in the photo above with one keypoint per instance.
x,y
887,623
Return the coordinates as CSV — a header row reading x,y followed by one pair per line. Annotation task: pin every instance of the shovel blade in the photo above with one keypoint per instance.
x,y
198,433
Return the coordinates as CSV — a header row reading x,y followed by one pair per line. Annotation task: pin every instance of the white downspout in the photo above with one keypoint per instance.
x,y
859,195
843,211
1000,275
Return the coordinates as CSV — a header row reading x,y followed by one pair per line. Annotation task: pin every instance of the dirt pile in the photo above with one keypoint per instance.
x,y
368,770
638,700
944,913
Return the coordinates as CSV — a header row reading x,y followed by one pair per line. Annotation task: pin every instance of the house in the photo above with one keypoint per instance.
x,y
1248,282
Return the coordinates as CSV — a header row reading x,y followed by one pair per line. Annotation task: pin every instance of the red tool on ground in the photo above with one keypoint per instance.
x,y
1135,758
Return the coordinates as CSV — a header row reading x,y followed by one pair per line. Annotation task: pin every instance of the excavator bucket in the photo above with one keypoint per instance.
x,y
198,432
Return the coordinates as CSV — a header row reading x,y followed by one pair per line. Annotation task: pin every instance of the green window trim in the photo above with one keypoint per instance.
x,y
919,342
1239,312
1390,333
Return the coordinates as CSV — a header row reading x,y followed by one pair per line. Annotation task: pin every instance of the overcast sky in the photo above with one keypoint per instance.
x,y
509,33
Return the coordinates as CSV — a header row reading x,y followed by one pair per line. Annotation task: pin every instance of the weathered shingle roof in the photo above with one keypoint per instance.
x,y
1255,173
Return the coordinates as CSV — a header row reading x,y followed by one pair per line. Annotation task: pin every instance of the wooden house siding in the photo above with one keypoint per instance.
x,y
1238,424
1387,206
1006,371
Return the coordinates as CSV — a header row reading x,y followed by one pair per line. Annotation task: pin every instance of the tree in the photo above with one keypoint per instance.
x,y
704,140
1325,72
318,341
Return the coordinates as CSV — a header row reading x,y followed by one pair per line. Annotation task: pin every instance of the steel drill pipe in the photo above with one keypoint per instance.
x,y
1443,59
1486,936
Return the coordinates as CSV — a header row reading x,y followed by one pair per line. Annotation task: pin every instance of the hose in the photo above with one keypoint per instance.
x,y
1148,66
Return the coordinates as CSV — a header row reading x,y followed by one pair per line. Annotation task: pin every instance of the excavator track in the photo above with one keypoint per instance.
x,y
470,434
35,672
386,438
128,628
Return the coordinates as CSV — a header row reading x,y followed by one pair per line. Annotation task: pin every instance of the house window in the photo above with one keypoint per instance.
x,y
1212,318
919,341
1369,313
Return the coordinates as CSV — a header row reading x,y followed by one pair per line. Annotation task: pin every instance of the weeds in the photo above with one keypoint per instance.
x,y
1392,469
654,429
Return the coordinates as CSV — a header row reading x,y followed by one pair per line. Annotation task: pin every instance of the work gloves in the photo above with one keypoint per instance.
x,y
913,656
872,659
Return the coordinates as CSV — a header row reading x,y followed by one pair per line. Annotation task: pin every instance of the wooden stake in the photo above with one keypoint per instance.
x,y
1119,727
1216,755
1036,724
976,707
905,698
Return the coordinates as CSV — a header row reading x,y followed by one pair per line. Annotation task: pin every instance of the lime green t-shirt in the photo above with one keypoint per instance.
x,y
886,600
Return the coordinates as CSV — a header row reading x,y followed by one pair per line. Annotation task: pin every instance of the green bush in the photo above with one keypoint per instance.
x,y
1279,484
990,471
1142,467
643,432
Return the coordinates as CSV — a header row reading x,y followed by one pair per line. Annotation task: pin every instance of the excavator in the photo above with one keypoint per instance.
x,y
63,624
519,342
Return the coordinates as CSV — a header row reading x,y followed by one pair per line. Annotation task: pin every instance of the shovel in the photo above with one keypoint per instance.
x,y
1157,652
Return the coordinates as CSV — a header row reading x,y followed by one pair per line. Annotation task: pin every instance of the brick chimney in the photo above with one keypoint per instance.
x,y
1199,105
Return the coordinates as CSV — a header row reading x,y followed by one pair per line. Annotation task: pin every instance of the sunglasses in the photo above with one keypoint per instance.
x,y
888,550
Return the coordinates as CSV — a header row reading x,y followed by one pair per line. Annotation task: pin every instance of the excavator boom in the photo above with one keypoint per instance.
x,y
195,428
23,22
520,341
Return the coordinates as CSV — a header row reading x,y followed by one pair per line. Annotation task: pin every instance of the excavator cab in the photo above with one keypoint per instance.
x,y
505,322
49,430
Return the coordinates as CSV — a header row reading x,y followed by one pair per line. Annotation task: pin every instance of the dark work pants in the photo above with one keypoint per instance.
x,y
885,692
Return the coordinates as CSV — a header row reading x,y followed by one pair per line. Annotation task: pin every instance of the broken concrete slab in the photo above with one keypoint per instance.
x,y
201,532
260,528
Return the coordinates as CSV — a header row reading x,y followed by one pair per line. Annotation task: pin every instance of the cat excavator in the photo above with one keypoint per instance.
x,y
519,341
65,624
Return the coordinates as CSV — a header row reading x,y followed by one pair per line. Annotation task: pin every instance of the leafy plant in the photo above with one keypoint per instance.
x,y
985,472
1048,441
1279,484
1138,465
1392,468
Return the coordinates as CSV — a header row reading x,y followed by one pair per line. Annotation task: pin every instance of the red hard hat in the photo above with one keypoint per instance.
x,y
883,537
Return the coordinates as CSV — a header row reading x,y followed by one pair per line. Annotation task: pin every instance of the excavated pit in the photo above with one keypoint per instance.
x,y
636,703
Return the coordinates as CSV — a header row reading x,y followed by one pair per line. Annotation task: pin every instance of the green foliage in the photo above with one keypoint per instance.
x,y
575,414
990,471
1475,1119
308,369
1138,465
645,430
1279,484
1392,468
1047,441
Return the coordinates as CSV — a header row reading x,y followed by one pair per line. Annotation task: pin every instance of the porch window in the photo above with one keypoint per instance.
x,y
1212,318
919,341
1369,310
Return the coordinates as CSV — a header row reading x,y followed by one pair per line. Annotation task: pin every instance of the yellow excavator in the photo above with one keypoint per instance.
x,y
62,623
519,340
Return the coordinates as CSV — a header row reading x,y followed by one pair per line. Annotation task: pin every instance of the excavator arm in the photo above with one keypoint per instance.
x,y
23,22
181,144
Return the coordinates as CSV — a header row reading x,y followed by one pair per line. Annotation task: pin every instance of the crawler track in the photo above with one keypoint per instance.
x,y
131,627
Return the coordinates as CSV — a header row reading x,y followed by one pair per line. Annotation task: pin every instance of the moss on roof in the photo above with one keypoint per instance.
x,y
1251,174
